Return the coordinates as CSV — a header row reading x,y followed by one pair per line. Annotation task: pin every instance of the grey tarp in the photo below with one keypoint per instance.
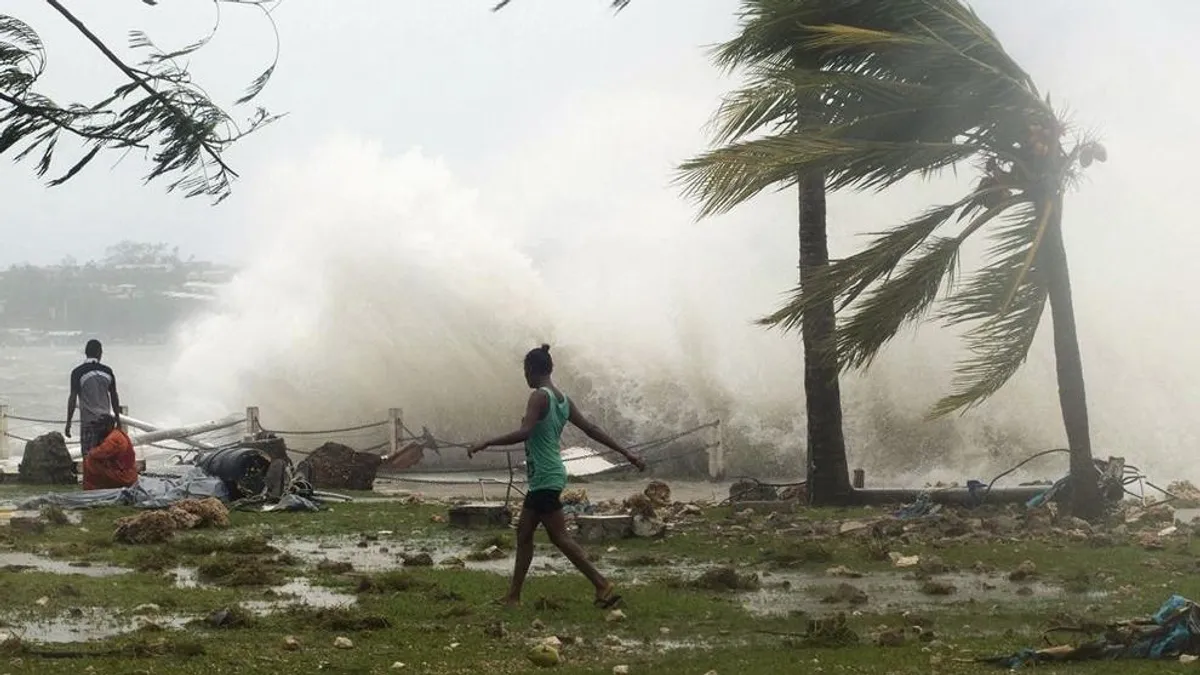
x,y
148,492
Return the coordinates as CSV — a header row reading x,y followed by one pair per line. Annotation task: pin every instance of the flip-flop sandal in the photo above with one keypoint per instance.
x,y
609,600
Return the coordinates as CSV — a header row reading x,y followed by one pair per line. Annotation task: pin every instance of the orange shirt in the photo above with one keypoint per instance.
x,y
112,464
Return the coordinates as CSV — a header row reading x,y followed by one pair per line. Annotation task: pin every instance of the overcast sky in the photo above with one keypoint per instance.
x,y
476,88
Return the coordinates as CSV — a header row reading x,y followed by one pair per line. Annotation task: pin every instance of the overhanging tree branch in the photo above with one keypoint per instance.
x,y
141,82
157,108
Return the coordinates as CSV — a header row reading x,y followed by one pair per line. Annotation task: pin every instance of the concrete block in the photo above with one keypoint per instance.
x,y
593,529
480,516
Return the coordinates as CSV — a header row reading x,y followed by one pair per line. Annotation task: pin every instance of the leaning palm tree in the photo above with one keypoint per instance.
x,y
764,49
883,91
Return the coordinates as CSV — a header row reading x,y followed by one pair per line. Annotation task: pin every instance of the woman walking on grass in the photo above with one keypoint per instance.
x,y
546,413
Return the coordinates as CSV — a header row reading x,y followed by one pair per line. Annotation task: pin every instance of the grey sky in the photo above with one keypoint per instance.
x,y
470,86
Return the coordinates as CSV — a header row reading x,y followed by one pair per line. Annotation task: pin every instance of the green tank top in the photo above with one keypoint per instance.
x,y
544,466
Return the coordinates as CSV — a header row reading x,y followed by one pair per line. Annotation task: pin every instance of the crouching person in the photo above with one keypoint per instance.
x,y
111,464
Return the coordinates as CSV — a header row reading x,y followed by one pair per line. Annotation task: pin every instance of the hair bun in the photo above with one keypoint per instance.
x,y
546,348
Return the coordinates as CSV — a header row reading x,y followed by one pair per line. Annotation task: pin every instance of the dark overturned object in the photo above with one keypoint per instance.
x,y
242,469
47,462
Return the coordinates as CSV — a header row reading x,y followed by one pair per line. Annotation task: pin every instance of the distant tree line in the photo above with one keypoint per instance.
x,y
134,292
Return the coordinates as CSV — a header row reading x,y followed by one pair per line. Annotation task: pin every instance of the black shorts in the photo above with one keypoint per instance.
x,y
543,502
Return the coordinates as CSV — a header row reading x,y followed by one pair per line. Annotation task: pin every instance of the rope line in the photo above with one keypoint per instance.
x,y
35,420
326,432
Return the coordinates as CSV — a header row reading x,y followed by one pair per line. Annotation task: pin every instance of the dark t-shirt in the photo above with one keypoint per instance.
x,y
93,382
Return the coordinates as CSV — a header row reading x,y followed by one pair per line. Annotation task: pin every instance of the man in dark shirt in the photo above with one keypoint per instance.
x,y
95,387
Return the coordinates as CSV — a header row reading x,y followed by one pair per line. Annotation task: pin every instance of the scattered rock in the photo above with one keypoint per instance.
x,y
615,616
291,643
843,572
47,462
334,567
752,491
727,579
1188,658
932,565
398,665
640,505
899,560
343,643
620,670
1150,542
937,587
846,594
418,560
890,638
659,493
1025,570
852,526
648,528
543,656
453,562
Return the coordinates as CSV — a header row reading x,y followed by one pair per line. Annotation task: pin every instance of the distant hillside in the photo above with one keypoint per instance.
x,y
137,292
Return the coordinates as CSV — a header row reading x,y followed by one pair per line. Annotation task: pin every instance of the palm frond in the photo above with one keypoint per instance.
x,y
780,95
900,300
726,177
1004,329
845,280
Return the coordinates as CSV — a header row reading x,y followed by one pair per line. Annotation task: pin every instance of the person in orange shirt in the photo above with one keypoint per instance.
x,y
111,464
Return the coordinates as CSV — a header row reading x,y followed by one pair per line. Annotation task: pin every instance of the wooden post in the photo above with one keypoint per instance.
x,y
4,451
395,431
859,479
252,426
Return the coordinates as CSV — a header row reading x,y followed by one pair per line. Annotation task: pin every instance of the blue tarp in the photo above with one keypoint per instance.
x,y
149,492
1173,630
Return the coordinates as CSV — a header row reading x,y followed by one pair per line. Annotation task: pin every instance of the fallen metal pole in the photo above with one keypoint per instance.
x,y
146,426
180,433
950,496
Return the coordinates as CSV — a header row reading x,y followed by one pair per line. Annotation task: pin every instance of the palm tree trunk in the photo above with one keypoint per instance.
x,y
1086,501
828,474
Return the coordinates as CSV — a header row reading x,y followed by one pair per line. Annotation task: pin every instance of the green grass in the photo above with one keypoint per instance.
x,y
440,620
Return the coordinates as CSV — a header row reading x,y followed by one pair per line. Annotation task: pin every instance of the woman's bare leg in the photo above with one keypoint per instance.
x,y
556,527
526,526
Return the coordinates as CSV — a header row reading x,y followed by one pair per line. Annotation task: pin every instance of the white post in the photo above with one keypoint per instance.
x,y
252,426
395,431
716,455
4,452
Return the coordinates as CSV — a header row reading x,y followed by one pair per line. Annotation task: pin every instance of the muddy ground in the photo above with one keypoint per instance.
x,y
384,584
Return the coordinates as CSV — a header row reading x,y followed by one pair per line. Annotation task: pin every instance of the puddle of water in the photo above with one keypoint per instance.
x,y
892,592
85,625
37,563
388,554
301,592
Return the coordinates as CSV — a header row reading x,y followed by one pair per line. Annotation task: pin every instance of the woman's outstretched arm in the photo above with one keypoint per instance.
x,y
600,436
535,410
